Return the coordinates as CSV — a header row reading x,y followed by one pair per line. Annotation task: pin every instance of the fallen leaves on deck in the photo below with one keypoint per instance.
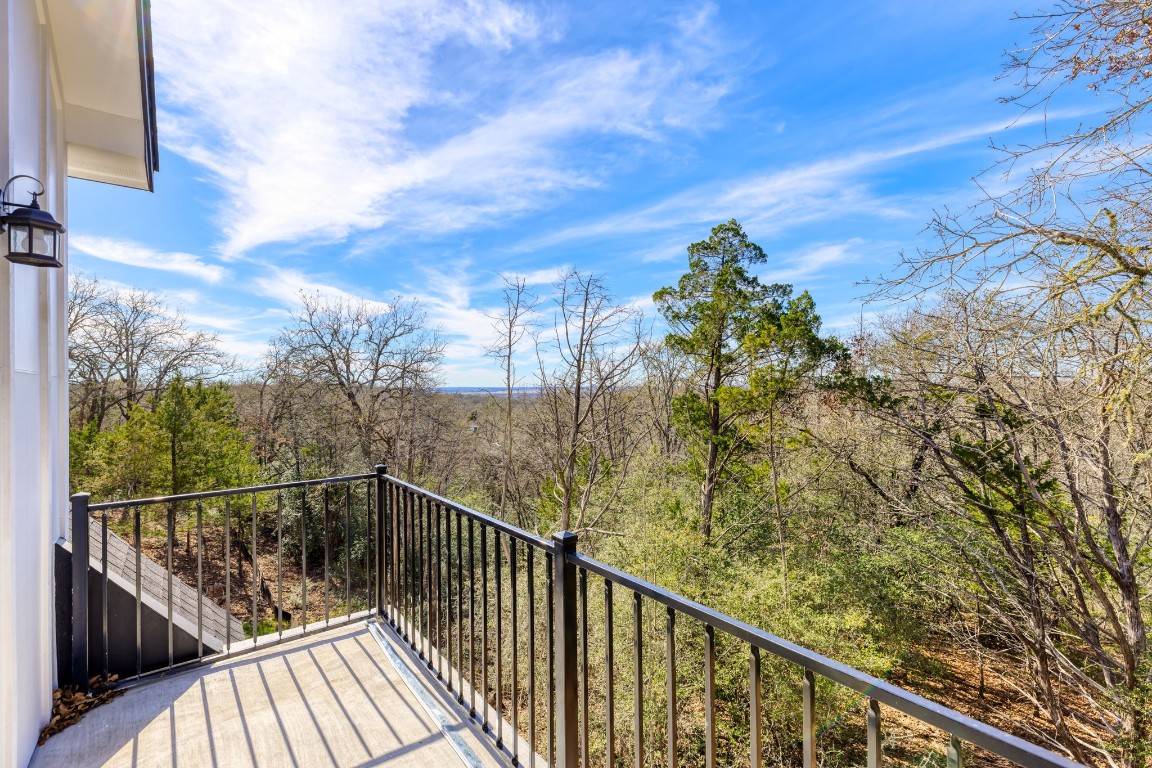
x,y
68,706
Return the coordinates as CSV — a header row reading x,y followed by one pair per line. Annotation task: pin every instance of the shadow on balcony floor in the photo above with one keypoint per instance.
x,y
332,699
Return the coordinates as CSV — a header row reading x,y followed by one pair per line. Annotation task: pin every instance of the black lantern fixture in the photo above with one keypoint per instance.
x,y
33,235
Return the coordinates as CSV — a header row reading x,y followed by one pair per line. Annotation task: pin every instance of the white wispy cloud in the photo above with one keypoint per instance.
x,y
544,276
448,295
304,115
288,286
813,260
136,255
295,109
826,188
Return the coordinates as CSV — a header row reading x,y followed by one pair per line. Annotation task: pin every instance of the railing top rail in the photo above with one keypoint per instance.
x,y
228,492
500,525
1018,750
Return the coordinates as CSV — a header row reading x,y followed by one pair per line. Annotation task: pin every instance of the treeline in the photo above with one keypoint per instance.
x,y
970,472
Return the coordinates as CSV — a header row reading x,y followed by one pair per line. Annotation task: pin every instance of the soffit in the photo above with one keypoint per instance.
x,y
102,50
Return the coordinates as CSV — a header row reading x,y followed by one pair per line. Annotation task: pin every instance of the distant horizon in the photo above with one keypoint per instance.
x,y
497,389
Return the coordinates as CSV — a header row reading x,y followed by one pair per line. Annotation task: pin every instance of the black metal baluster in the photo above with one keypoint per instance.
x,y
104,593
406,524
347,551
875,756
582,582
808,690
670,637
400,516
280,564
406,611
709,697
446,592
394,573
228,572
399,557
171,530
372,543
459,609
550,648
255,580
417,573
200,580
421,602
139,601
531,656
638,672
484,621
304,559
413,603
514,632
755,727
406,592
471,619
609,680
436,541
429,564
327,556
421,582
447,589
444,573
499,642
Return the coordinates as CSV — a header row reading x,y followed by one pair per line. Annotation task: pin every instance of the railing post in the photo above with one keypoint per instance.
x,y
564,595
381,471
80,522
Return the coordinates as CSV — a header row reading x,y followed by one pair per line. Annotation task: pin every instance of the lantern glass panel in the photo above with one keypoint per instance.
x,y
44,242
18,237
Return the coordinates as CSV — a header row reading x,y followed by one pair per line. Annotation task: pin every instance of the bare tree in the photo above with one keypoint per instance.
x,y
126,346
1076,213
585,364
666,376
1030,393
1038,476
511,328
379,362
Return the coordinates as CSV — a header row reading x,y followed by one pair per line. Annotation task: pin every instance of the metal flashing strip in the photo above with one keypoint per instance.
x,y
466,753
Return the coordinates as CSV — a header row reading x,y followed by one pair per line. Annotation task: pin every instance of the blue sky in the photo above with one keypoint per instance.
x,y
425,149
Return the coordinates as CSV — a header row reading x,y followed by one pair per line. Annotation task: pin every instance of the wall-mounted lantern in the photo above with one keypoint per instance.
x,y
33,235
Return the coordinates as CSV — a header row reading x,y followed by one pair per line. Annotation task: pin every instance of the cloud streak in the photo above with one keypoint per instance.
x,y
309,118
135,255
289,286
824,189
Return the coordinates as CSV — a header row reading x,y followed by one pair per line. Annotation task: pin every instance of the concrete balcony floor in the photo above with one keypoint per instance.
x,y
347,697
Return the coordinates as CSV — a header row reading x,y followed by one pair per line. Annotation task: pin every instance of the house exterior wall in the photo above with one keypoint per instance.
x,y
33,386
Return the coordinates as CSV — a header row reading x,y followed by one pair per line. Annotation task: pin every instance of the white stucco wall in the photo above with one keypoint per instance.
x,y
33,388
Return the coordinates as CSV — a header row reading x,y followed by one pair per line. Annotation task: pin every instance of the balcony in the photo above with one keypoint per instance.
x,y
334,698
440,636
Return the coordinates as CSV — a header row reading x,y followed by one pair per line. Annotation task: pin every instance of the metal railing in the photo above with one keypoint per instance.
x,y
501,618
458,584
330,519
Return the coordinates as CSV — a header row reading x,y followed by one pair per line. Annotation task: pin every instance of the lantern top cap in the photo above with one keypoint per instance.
x,y
33,234
30,214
